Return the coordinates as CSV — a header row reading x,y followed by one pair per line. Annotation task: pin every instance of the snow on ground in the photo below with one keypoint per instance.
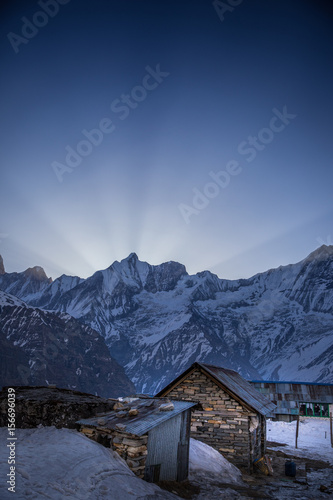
x,y
313,438
205,462
313,443
208,469
62,463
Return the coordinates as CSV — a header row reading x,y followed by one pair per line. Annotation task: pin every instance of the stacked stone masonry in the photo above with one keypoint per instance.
x,y
131,448
222,422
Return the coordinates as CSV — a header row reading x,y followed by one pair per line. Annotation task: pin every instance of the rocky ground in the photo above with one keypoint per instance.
x,y
314,480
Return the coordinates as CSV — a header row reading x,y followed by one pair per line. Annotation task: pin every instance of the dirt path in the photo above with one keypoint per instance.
x,y
313,481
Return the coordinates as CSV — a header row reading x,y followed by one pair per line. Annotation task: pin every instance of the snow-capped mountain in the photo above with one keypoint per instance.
x,y
40,347
157,320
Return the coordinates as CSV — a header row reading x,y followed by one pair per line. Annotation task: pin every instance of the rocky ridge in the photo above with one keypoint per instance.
x,y
41,347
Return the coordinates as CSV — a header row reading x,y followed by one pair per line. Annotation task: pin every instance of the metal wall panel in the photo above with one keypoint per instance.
x,y
163,447
289,395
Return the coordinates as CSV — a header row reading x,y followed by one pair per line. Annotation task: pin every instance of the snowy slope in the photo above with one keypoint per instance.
x,y
206,462
157,320
6,299
313,438
64,464
28,285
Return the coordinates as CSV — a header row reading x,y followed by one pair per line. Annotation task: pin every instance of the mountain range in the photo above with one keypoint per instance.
x,y
40,347
157,320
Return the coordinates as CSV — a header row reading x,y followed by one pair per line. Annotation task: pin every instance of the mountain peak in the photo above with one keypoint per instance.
x,y
2,267
132,256
37,273
320,253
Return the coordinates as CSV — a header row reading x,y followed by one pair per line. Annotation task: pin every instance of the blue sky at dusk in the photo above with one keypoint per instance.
x,y
214,146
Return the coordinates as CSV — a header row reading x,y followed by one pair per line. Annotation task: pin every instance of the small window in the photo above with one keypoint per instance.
x,y
314,409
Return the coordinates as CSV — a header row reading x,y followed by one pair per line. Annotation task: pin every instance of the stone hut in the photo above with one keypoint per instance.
x,y
151,435
231,413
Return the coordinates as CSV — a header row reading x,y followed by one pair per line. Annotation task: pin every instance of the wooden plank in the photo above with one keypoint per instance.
x,y
331,423
183,446
297,429
182,462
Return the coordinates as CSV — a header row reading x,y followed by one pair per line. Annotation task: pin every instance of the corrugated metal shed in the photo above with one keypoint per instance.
x,y
290,395
240,387
288,382
149,416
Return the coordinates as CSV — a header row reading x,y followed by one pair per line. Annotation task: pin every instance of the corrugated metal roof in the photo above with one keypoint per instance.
x,y
240,387
287,382
149,416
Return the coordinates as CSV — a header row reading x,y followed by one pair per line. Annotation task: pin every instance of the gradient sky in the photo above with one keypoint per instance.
x,y
226,74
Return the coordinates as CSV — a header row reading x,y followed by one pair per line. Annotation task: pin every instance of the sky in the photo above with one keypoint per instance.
x,y
198,132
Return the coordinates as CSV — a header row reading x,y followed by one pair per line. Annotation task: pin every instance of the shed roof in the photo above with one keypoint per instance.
x,y
234,385
149,416
289,382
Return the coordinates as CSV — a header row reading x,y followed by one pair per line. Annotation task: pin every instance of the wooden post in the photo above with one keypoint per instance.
x,y
331,423
297,428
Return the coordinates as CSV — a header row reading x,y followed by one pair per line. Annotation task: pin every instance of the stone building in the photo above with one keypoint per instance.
x,y
231,414
151,435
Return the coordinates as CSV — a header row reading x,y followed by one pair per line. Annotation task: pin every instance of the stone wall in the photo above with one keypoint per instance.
x,y
221,422
131,448
51,406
